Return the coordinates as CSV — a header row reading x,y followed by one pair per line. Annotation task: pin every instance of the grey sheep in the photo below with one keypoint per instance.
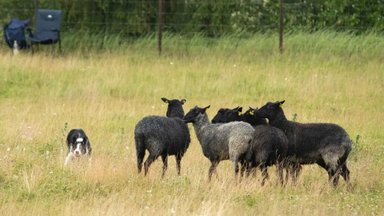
x,y
221,141
162,136
325,144
269,146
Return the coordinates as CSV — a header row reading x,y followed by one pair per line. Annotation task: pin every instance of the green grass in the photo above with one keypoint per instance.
x,y
324,77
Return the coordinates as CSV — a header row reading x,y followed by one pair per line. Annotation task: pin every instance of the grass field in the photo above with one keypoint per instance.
x,y
324,77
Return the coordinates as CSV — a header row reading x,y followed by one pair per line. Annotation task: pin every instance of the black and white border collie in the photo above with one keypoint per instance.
x,y
78,145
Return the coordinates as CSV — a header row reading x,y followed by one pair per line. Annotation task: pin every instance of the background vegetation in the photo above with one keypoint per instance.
x,y
324,77
206,17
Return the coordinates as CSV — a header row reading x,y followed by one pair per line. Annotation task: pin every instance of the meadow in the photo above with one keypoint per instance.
x,y
323,77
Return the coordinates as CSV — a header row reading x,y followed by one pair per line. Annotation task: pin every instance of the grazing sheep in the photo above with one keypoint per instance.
x,y
326,144
220,141
269,145
162,136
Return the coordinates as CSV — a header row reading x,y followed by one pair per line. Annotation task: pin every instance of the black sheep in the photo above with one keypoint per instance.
x,y
162,136
225,115
250,117
229,115
327,145
292,168
269,145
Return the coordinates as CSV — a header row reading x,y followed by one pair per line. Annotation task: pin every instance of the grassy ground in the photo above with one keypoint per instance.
x,y
324,77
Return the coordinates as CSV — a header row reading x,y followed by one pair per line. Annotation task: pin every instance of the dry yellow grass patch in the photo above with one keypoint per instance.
x,y
42,97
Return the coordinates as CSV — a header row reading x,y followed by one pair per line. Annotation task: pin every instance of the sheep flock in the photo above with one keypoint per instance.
x,y
255,139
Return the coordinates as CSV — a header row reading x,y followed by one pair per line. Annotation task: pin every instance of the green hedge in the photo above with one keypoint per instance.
x,y
207,17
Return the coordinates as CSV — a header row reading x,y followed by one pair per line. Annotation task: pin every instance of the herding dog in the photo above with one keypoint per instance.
x,y
78,145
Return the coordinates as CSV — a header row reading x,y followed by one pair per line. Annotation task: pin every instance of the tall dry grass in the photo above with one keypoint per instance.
x,y
324,77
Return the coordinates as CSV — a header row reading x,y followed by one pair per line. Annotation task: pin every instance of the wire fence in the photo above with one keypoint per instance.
x,y
214,18
137,18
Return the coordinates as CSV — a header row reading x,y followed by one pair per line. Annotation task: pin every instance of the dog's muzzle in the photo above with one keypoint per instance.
x,y
79,142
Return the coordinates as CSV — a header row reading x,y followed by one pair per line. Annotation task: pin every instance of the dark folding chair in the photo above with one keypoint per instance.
x,y
47,28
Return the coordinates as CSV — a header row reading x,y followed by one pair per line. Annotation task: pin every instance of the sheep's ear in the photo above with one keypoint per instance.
x,y
205,108
165,100
251,111
239,110
183,101
281,102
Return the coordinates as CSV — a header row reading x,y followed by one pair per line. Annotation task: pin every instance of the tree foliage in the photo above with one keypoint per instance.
x,y
207,17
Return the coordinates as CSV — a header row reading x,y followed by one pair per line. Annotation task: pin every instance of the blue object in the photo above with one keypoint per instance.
x,y
47,27
15,31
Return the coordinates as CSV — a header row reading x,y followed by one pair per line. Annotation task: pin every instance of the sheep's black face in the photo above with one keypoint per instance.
x,y
225,115
193,114
175,107
249,115
252,117
269,110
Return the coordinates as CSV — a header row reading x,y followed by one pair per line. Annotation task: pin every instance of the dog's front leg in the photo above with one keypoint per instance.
x,y
68,158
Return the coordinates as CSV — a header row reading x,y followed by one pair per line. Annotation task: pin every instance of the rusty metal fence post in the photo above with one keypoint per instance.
x,y
281,26
160,23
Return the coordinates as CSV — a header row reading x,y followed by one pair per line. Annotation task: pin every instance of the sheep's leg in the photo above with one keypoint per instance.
x,y
165,164
251,168
345,173
287,167
178,161
236,167
331,172
212,169
244,167
140,158
264,173
140,152
298,170
333,168
333,177
280,171
286,174
148,162
295,172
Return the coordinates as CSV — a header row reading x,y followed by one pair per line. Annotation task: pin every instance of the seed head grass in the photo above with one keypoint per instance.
x,y
324,77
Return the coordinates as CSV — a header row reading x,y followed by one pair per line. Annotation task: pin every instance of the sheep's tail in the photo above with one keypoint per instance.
x,y
347,145
140,150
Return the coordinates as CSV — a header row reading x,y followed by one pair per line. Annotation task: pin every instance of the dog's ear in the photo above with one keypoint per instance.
x,y
183,101
165,100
